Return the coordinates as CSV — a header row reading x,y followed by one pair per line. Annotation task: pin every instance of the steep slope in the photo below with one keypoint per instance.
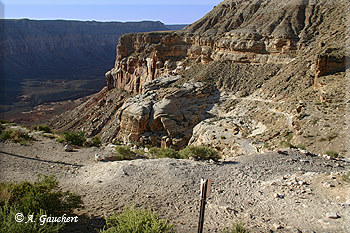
x,y
249,76
50,60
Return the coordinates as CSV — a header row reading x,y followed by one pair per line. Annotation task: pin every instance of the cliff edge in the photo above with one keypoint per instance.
x,y
249,76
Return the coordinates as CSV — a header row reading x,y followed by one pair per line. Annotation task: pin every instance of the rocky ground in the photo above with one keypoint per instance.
x,y
282,191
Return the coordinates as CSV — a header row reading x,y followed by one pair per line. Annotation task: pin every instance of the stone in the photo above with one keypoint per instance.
x,y
332,215
68,148
277,226
97,158
328,185
278,195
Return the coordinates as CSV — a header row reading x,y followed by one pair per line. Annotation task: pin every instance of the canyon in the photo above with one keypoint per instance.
x,y
266,73
55,60
263,82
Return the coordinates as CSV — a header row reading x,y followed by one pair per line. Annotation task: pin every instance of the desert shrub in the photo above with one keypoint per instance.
x,y
15,136
164,153
95,141
332,153
124,153
9,225
76,138
37,198
5,135
301,146
60,139
5,122
200,152
346,177
43,194
133,220
44,128
236,228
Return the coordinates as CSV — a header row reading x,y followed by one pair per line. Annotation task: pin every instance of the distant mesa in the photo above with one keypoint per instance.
x,y
54,60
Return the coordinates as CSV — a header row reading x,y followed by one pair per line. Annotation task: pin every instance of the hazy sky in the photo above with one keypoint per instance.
x,y
169,12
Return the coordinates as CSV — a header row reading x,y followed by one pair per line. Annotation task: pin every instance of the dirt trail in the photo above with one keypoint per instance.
x,y
287,115
289,192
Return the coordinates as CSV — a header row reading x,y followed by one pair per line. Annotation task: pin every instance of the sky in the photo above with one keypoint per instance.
x,y
168,12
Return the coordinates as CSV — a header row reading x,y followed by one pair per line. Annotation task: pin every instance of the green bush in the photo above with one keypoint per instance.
x,y
286,144
15,136
200,152
42,194
9,225
44,128
164,153
124,153
332,153
133,220
95,141
236,228
60,139
301,146
5,122
346,177
37,198
76,138
5,135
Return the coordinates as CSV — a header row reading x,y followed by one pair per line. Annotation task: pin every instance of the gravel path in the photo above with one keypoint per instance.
x,y
288,192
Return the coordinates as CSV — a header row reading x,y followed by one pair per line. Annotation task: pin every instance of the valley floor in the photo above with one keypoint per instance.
x,y
283,192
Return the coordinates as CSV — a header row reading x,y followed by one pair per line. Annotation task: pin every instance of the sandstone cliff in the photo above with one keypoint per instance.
x,y
65,58
267,66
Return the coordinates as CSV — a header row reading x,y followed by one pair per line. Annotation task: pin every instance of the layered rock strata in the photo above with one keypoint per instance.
x,y
262,52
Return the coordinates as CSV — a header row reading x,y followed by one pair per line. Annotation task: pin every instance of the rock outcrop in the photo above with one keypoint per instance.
x,y
249,63
244,32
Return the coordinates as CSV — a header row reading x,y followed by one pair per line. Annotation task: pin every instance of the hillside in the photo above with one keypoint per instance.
x,y
262,82
248,76
53,60
270,192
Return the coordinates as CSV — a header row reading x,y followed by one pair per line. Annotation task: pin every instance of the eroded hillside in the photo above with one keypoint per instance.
x,y
249,76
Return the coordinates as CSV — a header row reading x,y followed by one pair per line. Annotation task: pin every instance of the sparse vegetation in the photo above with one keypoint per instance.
x,y
156,152
223,137
346,177
44,128
124,153
236,228
9,225
286,144
95,141
289,136
134,220
15,136
75,138
197,152
200,152
301,146
5,122
267,145
38,198
60,139
332,153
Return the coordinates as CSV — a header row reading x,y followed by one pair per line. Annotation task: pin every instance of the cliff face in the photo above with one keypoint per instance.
x,y
57,51
23,36
265,65
245,32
